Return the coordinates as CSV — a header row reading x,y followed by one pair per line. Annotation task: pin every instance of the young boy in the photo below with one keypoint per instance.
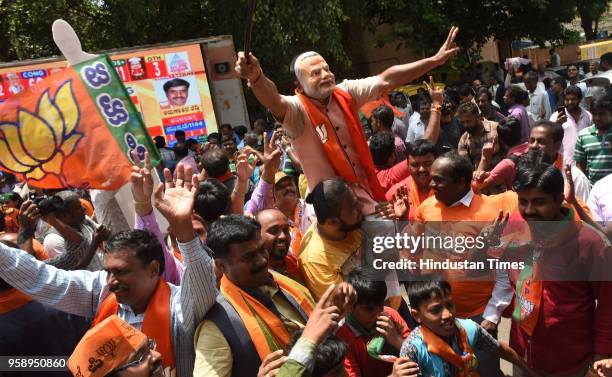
x,y
444,345
371,329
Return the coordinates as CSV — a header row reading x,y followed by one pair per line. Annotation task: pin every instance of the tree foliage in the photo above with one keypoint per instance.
x,y
590,12
282,28
422,24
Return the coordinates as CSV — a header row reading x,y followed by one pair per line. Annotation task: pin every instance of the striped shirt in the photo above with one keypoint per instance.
x,y
595,152
81,292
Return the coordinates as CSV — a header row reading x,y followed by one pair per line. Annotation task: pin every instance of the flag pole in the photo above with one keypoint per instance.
x,y
249,27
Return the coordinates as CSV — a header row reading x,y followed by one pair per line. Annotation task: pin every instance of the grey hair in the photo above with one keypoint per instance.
x,y
296,65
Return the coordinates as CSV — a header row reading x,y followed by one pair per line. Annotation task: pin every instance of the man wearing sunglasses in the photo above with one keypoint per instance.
x,y
113,348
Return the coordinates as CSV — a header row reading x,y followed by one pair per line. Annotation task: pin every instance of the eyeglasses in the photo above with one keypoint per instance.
x,y
152,345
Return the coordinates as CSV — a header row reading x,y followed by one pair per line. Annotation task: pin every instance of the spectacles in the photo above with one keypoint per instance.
x,y
152,345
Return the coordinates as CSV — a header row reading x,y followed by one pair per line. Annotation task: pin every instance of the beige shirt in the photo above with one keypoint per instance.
x,y
213,354
308,145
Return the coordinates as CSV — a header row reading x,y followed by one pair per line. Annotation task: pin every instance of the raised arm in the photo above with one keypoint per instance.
x,y
142,190
401,74
175,201
244,170
264,89
74,292
432,131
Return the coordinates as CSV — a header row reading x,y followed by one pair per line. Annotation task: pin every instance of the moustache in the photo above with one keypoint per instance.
x,y
257,270
117,288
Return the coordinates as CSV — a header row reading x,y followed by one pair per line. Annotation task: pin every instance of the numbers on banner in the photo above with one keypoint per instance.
x,y
96,75
157,70
113,109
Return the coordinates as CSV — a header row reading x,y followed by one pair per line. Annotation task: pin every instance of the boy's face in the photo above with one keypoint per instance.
x,y
367,314
437,314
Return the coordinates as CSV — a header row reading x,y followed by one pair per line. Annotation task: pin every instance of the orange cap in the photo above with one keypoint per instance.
x,y
104,348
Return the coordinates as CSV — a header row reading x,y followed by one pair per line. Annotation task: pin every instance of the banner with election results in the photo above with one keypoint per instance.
x,y
169,87
76,128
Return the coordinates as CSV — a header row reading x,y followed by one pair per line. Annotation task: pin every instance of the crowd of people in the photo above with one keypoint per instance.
x,y
266,267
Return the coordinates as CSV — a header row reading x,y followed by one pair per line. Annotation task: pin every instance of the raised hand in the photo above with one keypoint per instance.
x,y
244,168
174,200
436,93
448,48
569,193
29,214
344,297
102,234
385,210
324,318
271,364
272,152
403,367
489,149
248,69
142,184
492,233
603,368
401,202
387,327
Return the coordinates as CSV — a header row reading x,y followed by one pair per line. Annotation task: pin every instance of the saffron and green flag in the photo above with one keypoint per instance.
x,y
76,128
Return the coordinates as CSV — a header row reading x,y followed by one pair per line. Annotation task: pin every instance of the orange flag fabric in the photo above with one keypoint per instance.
x,y
77,128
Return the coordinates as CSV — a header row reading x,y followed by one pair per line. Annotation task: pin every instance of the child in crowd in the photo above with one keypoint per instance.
x,y
444,345
374,332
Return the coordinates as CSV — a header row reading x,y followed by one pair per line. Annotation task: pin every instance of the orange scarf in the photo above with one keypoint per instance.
x,y
297,234
12,300
333,149
529,286
156,322
414,194
559,162
267,331
466,364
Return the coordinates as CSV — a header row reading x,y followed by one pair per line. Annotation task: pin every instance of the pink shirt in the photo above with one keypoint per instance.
x,y
505,170
571,128
309,148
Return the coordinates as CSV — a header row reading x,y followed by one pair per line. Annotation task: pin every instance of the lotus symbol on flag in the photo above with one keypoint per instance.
x,y
37,143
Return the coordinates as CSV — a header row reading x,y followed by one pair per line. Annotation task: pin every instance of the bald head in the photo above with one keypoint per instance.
x,y
72,213
275,233
68,196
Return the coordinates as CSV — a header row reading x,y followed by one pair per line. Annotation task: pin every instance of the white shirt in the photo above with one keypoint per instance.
x,y
466,200
539,106
571,128
582,185
416,128
600,200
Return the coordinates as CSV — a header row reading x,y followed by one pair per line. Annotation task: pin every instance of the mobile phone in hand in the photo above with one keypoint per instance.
x,y
561,110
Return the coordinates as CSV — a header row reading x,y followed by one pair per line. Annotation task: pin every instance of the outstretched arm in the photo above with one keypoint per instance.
x,y
175,201
404,73
74,292
264,89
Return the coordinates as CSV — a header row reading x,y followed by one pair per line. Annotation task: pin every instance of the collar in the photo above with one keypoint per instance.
x,y
518,148
593,130
466,200
269,290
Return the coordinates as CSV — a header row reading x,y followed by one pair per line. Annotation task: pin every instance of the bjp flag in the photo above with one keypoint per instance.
x,y
77,128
